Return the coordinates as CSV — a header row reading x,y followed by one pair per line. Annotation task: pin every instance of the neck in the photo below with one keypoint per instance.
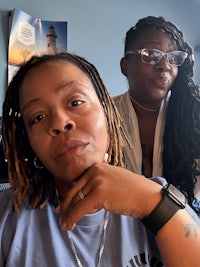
x,y
134,102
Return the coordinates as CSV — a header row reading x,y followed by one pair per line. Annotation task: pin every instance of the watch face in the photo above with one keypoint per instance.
x,y
176,195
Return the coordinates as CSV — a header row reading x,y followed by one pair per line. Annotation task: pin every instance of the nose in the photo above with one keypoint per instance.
x,y
163,65
60,124
68,126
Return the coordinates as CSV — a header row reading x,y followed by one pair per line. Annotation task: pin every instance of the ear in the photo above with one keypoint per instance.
x,y
123,65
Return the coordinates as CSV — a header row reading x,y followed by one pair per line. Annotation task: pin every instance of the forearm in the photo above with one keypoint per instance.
x,y
123,192
179,241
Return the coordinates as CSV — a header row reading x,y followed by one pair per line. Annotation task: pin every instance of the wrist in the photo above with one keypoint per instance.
x,y
172,200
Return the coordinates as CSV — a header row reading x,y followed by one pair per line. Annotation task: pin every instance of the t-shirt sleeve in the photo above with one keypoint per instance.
x,y
5,209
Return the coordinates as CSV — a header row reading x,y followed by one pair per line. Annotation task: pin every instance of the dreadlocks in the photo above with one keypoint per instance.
x,y
23,175
182,129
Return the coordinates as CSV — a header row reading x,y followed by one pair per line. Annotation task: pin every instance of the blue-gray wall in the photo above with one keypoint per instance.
x,y
96,29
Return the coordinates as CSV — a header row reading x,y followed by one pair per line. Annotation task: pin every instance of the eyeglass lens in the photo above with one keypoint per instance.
x,y
153,56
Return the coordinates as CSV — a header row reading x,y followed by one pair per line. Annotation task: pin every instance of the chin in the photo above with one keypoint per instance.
x,y
76,169
73,175
159,96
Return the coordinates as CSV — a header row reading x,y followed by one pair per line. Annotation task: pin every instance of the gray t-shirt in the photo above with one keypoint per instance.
x,y
33,238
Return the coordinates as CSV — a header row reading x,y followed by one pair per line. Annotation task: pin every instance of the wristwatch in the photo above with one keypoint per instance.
x,y
172,201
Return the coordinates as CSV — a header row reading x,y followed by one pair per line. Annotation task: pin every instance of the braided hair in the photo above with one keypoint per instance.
x,y
24,177
182,128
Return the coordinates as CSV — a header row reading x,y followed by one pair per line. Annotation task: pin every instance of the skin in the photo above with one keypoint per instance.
x,y
56,95
55,124
149,85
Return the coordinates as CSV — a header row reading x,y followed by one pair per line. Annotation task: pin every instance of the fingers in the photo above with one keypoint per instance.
x,y
78,207
73,196
102,186
88,195
81,195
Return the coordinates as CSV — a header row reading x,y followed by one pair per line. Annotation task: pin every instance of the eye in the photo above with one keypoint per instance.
x,y
172,58
38,118
76,103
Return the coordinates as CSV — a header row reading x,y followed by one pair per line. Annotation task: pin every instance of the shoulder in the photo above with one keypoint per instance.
x,y
120,97
123,103
5,199
6,207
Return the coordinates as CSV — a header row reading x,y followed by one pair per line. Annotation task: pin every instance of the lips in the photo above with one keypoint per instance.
x,y
71,146
161,81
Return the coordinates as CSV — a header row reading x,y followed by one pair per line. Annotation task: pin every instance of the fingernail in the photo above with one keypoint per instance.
x,y
73,226
63,225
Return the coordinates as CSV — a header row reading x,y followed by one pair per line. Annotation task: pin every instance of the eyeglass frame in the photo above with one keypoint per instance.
x,y
139,51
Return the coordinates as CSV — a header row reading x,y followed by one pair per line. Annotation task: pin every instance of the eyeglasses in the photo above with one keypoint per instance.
x,y
154,56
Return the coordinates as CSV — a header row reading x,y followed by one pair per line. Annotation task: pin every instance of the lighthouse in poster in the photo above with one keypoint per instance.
x,y
51,41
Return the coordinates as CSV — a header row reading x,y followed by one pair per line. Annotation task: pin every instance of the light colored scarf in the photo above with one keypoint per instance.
x,y
133,153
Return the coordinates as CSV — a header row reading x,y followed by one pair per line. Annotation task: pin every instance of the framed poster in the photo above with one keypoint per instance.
x,y
33,36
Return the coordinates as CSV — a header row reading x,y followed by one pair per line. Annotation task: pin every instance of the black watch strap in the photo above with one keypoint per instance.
x,y
161,214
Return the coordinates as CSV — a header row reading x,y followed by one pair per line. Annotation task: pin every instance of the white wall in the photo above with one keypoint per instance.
x,y
96,29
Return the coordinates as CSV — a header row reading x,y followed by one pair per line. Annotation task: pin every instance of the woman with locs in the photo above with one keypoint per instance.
x,y
161,109
72,202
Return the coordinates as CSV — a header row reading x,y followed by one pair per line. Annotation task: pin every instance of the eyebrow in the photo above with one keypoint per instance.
x,y
68,85
154,42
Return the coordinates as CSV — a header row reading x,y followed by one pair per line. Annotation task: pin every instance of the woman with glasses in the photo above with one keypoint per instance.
x,y
161,109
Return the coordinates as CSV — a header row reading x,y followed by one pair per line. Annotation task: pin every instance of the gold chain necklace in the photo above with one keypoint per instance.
x,y
145,108
101,247
102,242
